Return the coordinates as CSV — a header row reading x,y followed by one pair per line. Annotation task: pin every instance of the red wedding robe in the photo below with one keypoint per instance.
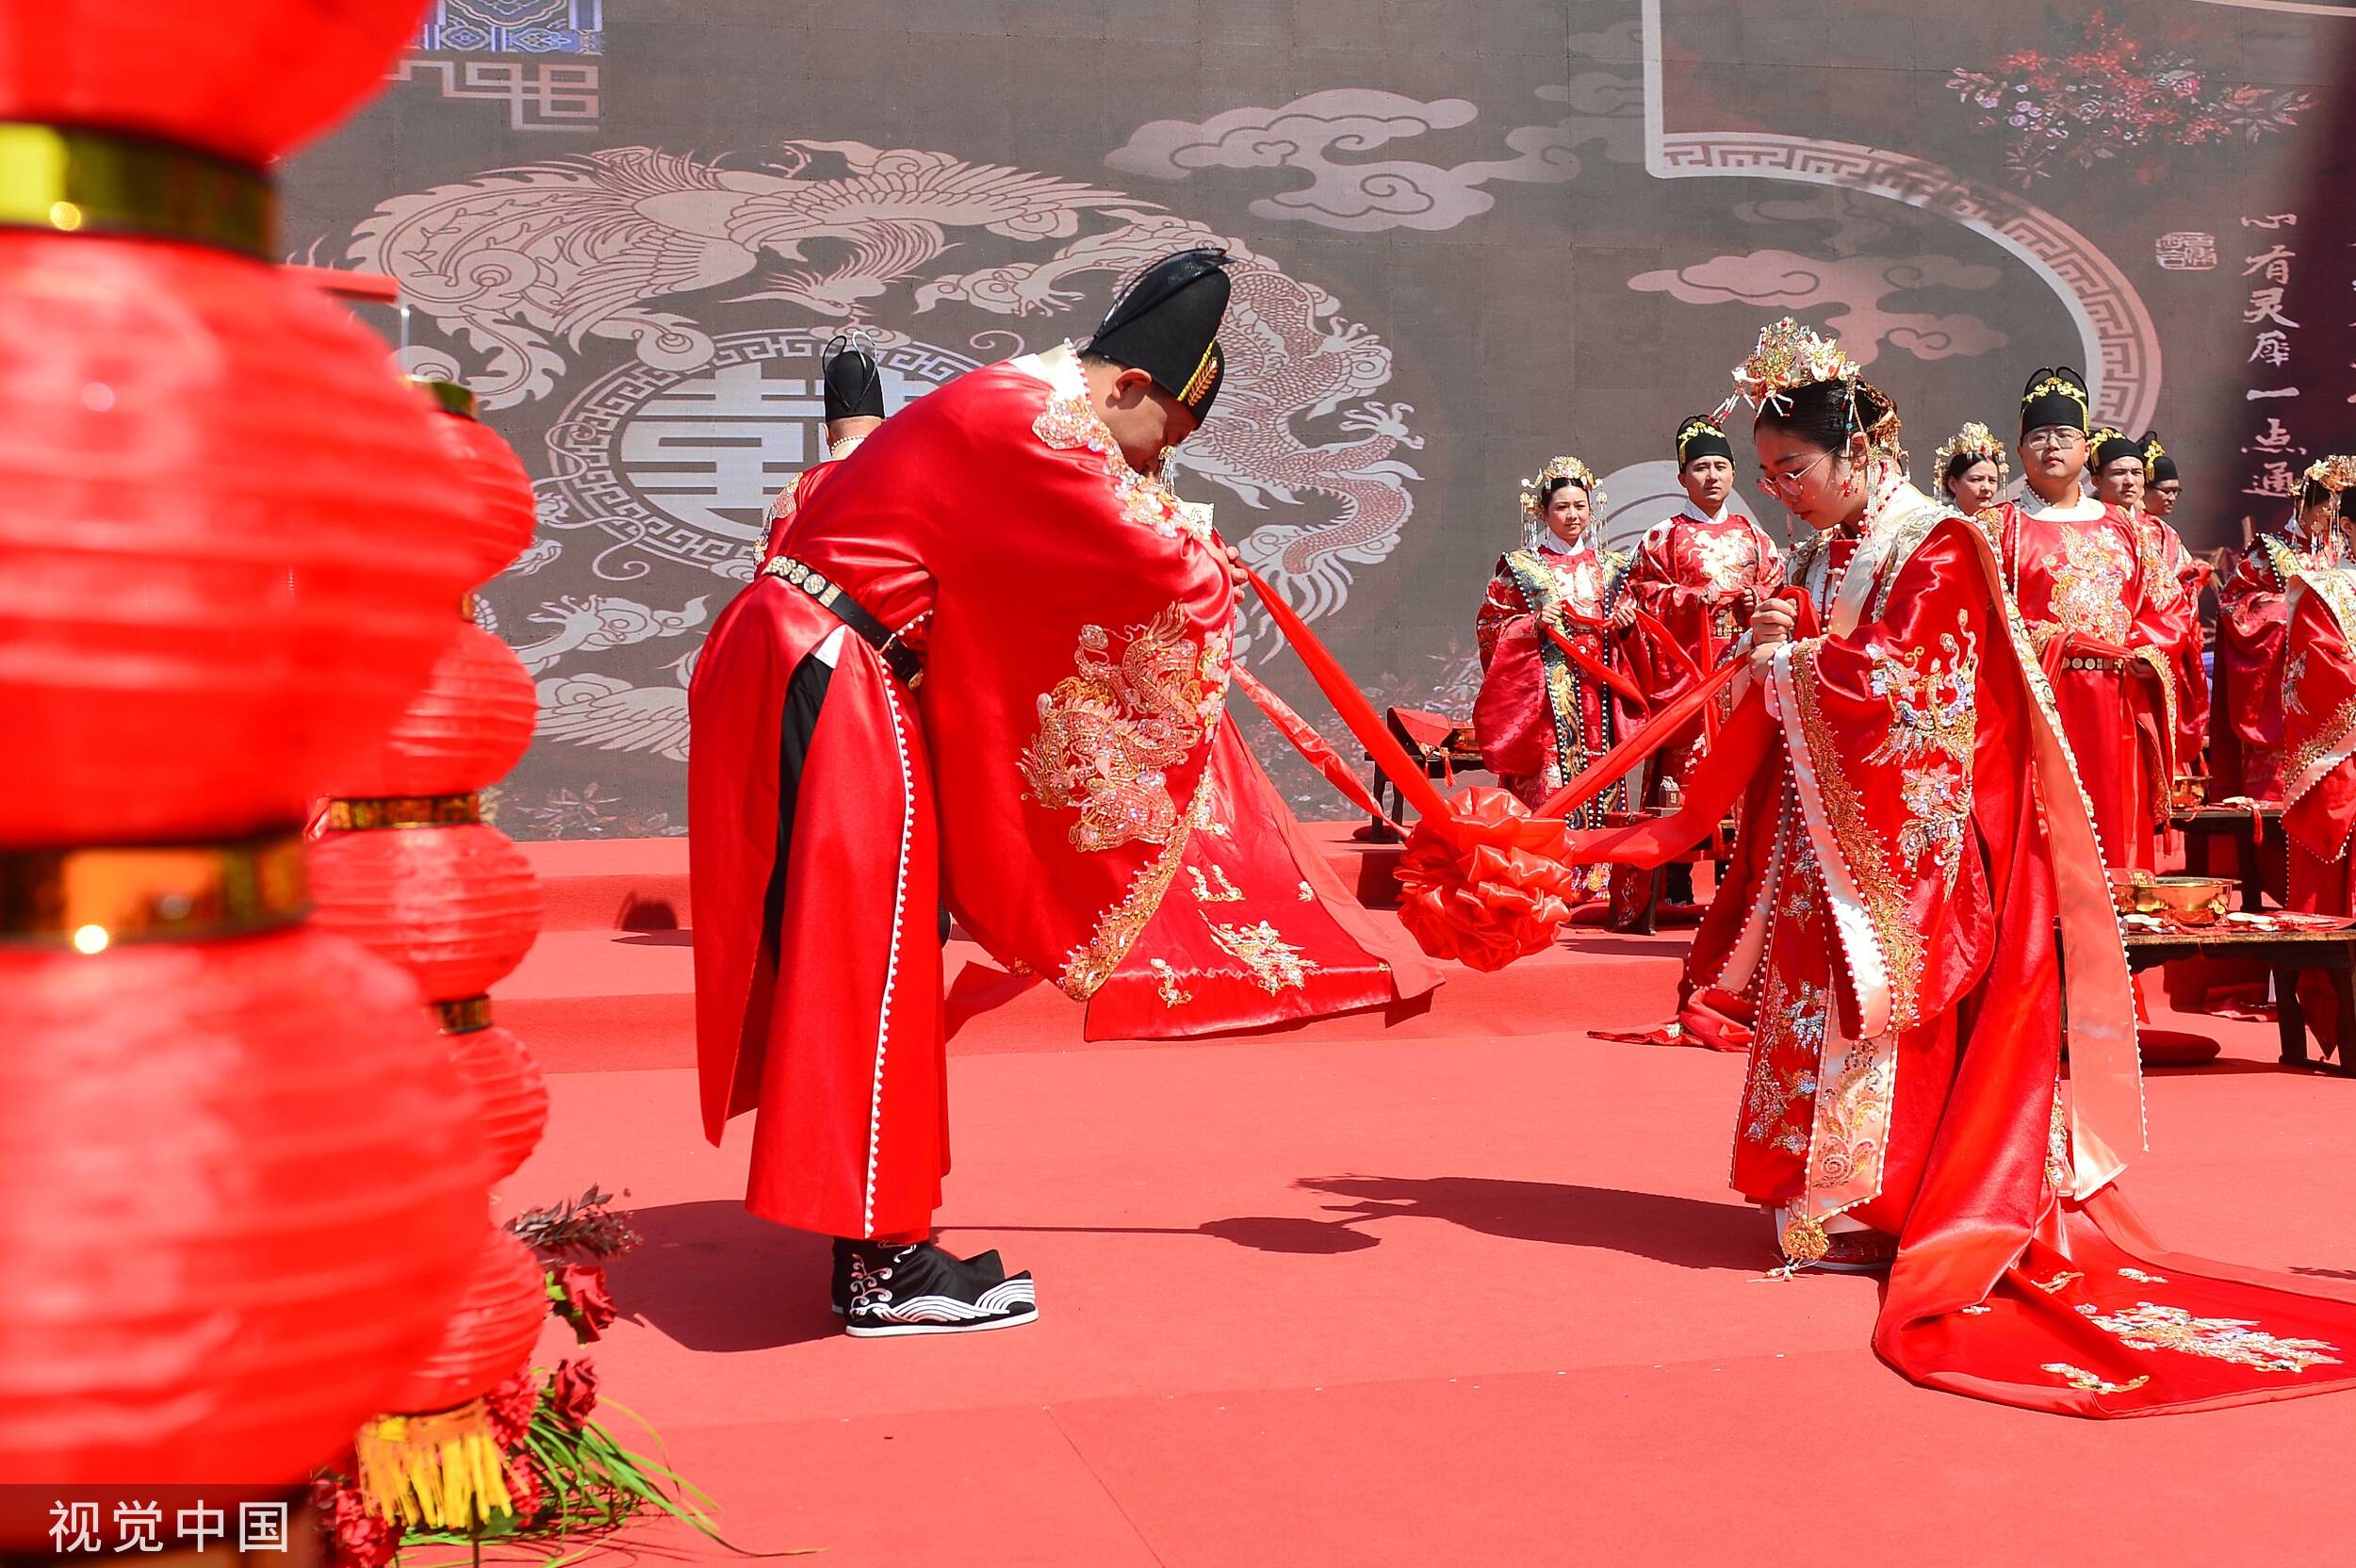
x,y
2319,783
2172,579
1062,764
1912,846
2110,651
1540,717
1691,574
799,494
2246,731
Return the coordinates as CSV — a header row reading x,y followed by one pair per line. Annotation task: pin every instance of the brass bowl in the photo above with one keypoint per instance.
x,y
2186,900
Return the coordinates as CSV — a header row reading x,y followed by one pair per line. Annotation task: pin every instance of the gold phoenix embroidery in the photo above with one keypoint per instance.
x,y
1165,984
2089,591
2079,1377
1726,559
1885,902
2153,1326
1109,734
1088,966
1215,888
1933,716
1068,422
1275,964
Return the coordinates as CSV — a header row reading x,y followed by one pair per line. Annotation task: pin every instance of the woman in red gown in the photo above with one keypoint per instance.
x,y
2246,736
1919,897
1541,716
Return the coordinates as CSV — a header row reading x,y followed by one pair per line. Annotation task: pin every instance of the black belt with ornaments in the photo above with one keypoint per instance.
x,y
898,655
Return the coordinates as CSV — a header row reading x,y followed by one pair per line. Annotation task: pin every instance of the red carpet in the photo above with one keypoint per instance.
x,y
1472,1291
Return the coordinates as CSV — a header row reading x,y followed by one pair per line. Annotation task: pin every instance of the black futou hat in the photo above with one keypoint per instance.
x,y
2055,396
1698,435
2157,465
1166,325
2111,444
854,385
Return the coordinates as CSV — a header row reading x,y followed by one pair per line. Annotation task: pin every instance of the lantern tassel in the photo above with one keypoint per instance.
x,y
441,1470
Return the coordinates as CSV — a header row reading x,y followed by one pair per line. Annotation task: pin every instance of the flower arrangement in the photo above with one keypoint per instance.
x,y
566,1475
2101,98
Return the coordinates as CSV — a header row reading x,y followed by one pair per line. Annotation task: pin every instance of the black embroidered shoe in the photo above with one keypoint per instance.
x,y
919,1289
989,1266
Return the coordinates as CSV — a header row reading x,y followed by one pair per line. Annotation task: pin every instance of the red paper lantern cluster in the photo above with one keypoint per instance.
x,y
407,868
511,1095
456,905
239,1188
490,1334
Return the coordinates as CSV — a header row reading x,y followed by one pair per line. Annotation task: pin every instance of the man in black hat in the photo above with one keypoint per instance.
x,y
2173,579
1699,576
853,387
947,607
2076,569
2115,469
2162,484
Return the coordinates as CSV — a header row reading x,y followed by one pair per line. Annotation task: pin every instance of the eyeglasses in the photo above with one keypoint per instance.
x,y
1783,484
2055,435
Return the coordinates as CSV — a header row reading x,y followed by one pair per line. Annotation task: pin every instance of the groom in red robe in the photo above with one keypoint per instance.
x,y
1053,651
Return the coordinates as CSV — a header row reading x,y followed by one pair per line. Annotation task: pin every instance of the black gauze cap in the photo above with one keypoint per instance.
x,y
2112,444
854,385
2157,465
1166,325
1698,435
2055,396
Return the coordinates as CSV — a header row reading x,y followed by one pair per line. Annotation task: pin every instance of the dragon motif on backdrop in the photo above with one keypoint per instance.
x,y
523,265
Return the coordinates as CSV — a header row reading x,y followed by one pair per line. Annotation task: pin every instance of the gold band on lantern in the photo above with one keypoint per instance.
x,y
450,397
405,811
465,1015
70,180
91,899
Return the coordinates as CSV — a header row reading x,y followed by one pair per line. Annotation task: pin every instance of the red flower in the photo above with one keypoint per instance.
x,y
509,1407
355,1538
584,1302
573,1393
525,1491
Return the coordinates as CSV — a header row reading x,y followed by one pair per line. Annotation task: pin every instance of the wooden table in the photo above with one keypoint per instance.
x,y
2285,952
2231,822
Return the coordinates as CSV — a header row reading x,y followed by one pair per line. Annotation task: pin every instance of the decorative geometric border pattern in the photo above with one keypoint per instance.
x,y
513,27
2122,346
539,95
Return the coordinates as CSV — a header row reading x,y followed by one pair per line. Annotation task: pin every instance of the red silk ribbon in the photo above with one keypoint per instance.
x,y
1306,740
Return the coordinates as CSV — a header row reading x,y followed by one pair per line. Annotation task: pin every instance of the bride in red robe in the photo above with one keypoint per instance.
x,y
1914,840
1540,717
2246,735
2318,708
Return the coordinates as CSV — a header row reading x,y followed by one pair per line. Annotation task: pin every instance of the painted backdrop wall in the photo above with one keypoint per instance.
x,y
1472,234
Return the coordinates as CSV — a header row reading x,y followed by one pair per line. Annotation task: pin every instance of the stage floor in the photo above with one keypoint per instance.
x,y
1470,1291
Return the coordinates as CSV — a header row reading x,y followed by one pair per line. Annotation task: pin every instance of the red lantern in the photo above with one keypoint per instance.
x,y
239,1192
457,907
247,79
511,1096
505,512
470,724
488,1338
232,540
